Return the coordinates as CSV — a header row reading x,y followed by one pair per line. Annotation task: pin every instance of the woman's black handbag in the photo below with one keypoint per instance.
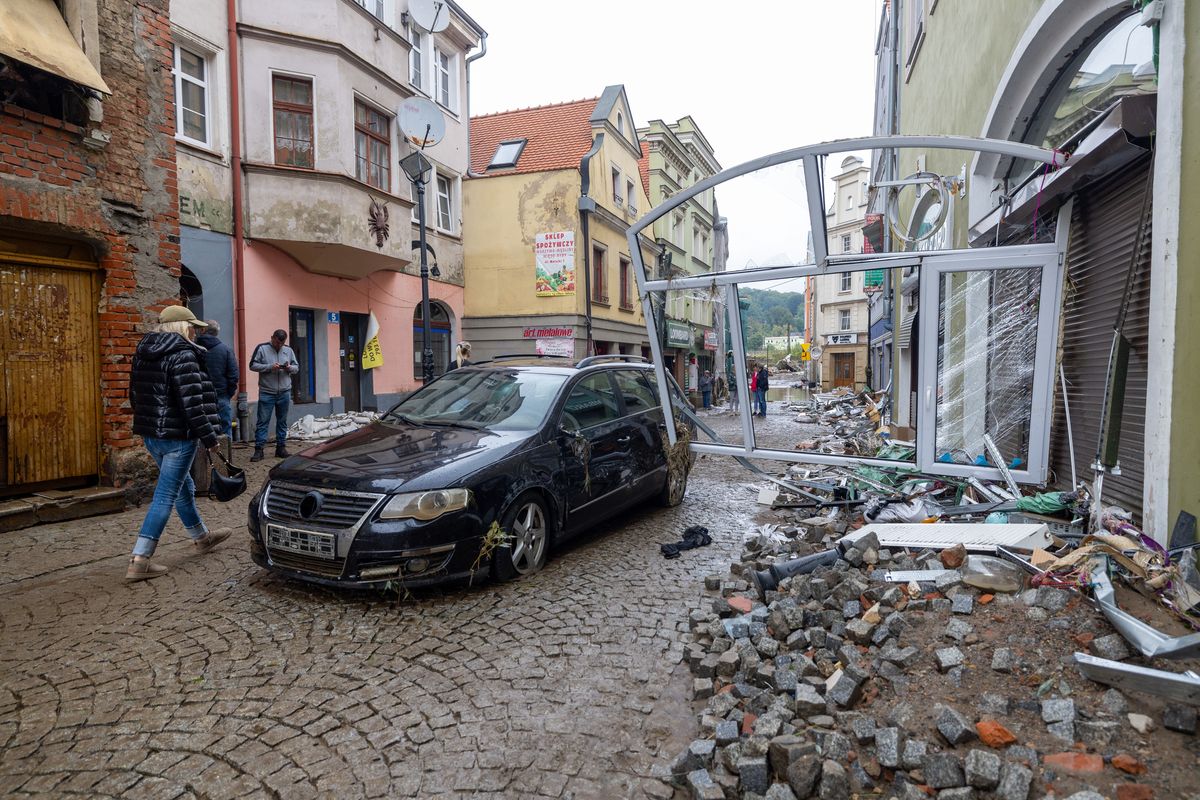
x,y
225,488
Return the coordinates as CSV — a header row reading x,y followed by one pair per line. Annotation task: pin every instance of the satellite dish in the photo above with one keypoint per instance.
x,y
421,122
429,15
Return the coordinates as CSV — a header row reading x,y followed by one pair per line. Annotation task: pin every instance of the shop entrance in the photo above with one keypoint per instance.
x,y
843,369
356,382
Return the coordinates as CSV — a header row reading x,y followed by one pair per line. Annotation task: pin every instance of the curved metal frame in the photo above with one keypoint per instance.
x,y
1048,257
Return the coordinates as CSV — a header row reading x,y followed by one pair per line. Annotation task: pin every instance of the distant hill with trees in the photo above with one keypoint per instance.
x,y
769,313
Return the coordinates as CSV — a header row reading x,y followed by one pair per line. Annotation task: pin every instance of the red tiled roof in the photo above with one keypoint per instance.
x,y
644,167
558,136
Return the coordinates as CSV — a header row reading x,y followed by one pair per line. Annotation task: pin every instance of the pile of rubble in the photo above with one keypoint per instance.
x,y
834,663
310,428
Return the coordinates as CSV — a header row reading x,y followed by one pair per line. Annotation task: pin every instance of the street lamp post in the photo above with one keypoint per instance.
x,y
417,167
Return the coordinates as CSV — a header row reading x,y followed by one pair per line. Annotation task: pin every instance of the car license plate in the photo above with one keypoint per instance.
x,y
309,543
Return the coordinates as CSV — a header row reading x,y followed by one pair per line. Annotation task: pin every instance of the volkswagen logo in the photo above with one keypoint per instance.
x,y
310,504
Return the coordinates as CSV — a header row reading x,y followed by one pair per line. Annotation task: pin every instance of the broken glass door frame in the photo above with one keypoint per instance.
x,y
933,265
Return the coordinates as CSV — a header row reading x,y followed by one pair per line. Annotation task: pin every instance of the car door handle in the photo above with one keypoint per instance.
x,y
624,439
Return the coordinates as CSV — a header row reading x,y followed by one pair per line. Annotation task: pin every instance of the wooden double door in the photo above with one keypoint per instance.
x,y
50,392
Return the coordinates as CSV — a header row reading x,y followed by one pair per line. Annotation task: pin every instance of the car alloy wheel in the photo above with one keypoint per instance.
x,y
675,487
528,527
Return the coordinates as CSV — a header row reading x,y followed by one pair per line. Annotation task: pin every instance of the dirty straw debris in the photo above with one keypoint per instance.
x,y
879,638
310,428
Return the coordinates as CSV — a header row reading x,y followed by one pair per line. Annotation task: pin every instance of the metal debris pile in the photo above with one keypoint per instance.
x,y
910,661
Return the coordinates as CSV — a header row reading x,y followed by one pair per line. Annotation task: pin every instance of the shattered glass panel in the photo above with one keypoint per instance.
x,y
987,341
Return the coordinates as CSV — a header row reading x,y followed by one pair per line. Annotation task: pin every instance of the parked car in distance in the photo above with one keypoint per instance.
x,y
542,447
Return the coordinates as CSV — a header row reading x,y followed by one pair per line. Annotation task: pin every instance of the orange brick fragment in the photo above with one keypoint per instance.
x,y
993,734
1134,791
742,604
1127,763
1078,763
984,599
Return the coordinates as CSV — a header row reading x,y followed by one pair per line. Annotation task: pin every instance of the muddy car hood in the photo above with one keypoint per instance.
x,y
389,457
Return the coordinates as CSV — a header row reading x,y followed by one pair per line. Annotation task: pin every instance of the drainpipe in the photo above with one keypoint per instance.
x,y
483,52
586,206
239,272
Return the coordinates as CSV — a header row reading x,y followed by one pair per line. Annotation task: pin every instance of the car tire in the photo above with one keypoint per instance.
x,y
674,488
527,522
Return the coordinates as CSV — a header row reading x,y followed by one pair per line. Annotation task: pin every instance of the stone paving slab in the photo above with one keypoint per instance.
x,y
220,680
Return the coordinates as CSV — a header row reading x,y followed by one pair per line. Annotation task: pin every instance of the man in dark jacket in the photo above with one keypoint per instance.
x,y
760,390
222,368
173,406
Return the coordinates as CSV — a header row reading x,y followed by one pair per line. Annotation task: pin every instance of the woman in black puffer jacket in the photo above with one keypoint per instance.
x,y
174,406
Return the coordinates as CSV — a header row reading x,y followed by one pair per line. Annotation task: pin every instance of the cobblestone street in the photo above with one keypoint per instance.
x,y
220,680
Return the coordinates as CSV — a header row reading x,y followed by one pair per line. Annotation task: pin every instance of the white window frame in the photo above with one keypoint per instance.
x,y
416,58
207,85
445,79
630,196
846,282
369,5
618,200
1046,258
844,319
847,243
677,233
450,180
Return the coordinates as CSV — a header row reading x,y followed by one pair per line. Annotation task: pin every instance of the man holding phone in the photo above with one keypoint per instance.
x,y
275,364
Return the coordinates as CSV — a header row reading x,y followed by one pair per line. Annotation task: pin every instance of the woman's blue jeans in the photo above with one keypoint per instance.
x,y
174,488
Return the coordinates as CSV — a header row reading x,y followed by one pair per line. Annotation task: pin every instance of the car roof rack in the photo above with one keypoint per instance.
x,y
587,362
521,356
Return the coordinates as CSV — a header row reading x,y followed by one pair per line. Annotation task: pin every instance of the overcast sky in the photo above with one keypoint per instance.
x,y
757,76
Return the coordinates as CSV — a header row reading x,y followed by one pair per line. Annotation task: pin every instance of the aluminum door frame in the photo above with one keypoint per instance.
x,y
931,264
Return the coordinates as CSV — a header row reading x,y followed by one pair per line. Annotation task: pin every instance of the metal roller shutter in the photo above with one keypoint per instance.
x,y
1103,232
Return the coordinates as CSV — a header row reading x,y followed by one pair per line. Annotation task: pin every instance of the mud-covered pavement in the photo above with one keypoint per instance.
x,y
220,680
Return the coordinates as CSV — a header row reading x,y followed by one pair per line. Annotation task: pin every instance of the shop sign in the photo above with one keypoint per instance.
x,y
679,334
710,340
841,338
554,260
547,333
556,347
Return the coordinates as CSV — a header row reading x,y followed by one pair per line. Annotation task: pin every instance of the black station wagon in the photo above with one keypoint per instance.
x,y
542,447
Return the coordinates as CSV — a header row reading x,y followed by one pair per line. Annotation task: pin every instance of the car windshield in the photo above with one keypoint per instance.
x,y
493,399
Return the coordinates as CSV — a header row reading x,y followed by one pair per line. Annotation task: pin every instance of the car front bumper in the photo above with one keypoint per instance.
x,y
405,552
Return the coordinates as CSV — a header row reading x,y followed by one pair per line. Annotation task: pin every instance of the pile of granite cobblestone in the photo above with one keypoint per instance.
x,y
837,684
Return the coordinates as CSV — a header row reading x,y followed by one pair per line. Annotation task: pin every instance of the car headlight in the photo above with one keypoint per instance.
x,y
426,505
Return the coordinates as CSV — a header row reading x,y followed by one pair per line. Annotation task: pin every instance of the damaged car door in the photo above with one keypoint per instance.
x,y
595,450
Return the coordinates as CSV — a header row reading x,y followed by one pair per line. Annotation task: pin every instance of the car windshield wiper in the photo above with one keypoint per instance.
x,y
447,423
406,419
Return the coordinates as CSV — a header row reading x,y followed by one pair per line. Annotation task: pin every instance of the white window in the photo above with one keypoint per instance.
x,y
846,243
191,96
677,232
844,320
507,153
631,197
374,6
849,202
444,67
416,72
445,203
616,187
846,279
620,124
703,254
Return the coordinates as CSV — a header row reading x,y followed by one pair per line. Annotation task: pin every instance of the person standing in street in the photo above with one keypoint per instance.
x,y
275,364
174,406
222,367
706,389
760,389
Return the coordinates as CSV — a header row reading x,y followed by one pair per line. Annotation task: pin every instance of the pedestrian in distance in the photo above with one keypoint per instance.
x,y
275,364
762,385
222,367
731,378
706,388
462,356
174,407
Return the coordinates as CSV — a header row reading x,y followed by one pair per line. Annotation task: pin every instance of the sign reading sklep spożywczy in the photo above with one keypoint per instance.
x,y
554,263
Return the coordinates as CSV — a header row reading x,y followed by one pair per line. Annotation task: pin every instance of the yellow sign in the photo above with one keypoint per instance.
x,y
372,355
805,351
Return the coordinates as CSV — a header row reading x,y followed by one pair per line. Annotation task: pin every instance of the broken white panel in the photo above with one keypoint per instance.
x,y
973,536
1148,640
1181,687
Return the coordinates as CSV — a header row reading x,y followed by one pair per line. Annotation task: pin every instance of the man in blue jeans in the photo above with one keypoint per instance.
x,y
275,364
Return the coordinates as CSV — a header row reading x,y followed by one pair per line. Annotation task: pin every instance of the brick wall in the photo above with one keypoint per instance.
x,y
118,197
